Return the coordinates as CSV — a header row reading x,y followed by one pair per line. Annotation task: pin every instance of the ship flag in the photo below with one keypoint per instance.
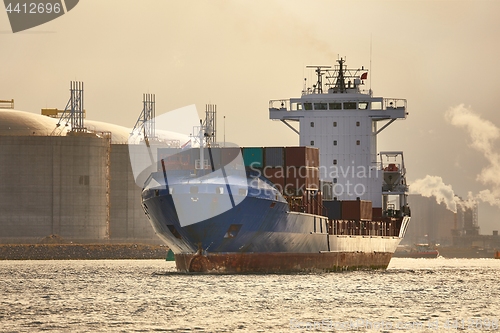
x,y
187,145
364,76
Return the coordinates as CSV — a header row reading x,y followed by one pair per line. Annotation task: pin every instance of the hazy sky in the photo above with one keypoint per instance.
x,y
240,54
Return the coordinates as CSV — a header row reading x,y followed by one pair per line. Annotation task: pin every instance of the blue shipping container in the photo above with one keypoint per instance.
x,y
274,157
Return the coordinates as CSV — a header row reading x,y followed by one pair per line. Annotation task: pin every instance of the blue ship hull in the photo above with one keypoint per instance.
x,y
260,234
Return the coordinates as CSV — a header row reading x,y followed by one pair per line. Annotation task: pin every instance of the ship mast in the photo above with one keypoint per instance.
x,y
318,87
202,150
340,83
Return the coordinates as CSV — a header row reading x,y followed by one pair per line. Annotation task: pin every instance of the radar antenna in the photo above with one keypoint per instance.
x,y
318,88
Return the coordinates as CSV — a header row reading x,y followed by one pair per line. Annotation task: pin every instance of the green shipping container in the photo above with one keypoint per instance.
x,y
253,157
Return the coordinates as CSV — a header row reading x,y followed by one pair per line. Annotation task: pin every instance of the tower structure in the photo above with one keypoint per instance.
x,y
343,120
210,124
145,124
74,112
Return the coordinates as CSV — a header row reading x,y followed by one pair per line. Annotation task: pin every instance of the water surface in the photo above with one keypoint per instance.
x,y
413,295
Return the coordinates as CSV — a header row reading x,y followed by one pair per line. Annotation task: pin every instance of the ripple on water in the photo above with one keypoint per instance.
x,y
149,295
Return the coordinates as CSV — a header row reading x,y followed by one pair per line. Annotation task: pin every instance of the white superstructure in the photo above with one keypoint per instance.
x,y
343,121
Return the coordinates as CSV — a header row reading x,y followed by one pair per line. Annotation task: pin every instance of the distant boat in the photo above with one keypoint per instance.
x,y
418,251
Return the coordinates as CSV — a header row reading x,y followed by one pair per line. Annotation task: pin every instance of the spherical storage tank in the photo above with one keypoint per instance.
x,y
52,183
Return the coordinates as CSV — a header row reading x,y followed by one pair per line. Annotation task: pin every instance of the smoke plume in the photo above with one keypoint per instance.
x,y
482,134
434,186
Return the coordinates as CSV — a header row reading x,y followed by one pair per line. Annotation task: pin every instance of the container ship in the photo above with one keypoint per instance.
x,y
332,203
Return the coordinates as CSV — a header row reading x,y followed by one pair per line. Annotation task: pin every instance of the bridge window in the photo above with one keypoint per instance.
x,y
377,105
319,106
335,106
358,142
334,124
334,142
296,106
312,123
349,105
363,105
312,143
357,123
334,162
308,106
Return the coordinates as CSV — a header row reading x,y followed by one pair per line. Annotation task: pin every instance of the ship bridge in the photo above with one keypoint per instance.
x,y
343,120
296,108
344,93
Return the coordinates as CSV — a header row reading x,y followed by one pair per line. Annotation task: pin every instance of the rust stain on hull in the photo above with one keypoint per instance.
x,y
281,262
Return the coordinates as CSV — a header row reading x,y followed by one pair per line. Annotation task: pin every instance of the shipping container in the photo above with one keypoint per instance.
x,y
356,210
274,157
314,157
276,176
333,209
377,213
327,190
253,157
188,159
298,179
366,210
176,159
163,153
194,157
301,156
229,154
214,157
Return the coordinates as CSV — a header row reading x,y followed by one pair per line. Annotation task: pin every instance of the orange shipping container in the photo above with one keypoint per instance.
x,y
376,213
356,210
300,179
276,176
301,156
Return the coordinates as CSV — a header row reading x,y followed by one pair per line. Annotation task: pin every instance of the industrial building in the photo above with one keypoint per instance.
x,y
78,186
430,222
456,233
434,223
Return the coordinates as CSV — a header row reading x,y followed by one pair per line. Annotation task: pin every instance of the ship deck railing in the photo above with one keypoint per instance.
x,y
356,90
365,228
377,104
7,104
